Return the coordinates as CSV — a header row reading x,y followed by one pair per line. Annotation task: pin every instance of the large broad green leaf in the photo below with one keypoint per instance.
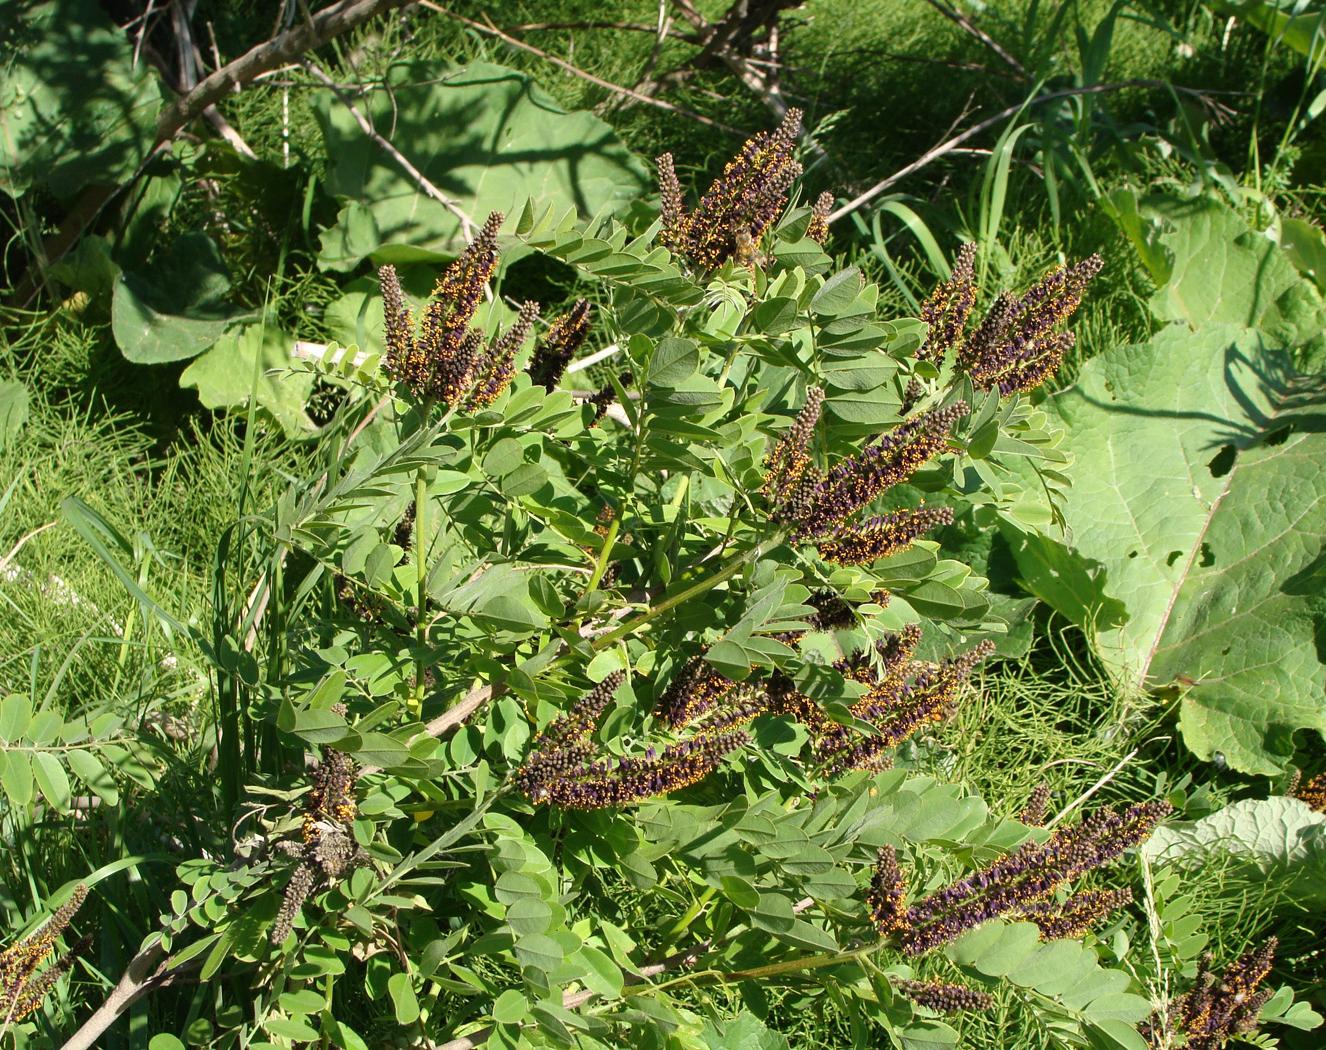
x,y
1279,842
177,307
13,410
1198,490
250,360
1305,32
74,108
484,135
1222,272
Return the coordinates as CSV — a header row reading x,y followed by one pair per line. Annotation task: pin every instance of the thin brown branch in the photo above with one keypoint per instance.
x,y
630,27
973,30
138,975
468,229
285,47
488,29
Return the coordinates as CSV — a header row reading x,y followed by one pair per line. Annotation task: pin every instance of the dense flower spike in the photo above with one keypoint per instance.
x,y
559,344
328,850
820,504
602,398
818,230
495,367
1028,875
944,997
438,362
565,769
787,463
741,204
693,693
1313,792
903,698
946,311
671,211
1016,347
21,988
887,896
1078,914
1033,813
880,536
1219,1009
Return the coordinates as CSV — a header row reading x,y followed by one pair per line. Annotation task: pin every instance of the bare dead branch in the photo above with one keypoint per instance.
x,y
283,48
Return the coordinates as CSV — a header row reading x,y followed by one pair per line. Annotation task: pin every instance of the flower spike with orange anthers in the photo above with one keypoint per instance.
x,y
787,463
1017,347
1219,1008
903,698
1313,793
818,230
817,505
495,367
887,896
438,361
1028,876
21,987
565,768
880,536
1078,914
559,344
328,849
741,204
946,310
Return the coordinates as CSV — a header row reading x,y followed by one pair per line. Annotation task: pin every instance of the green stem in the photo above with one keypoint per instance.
x,y
421,581
601,565
684,923
694,591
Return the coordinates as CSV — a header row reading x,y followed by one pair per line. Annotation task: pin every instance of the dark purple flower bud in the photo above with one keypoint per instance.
x,y
559,344
944,997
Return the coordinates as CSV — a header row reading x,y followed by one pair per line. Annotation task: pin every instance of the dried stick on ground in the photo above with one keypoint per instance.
x,y
953,14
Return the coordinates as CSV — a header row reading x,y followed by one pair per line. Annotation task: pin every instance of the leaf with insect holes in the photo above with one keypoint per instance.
x,y
1198,494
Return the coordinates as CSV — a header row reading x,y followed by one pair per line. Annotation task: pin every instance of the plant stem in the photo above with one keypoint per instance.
x,y
421,587
601,565
694,591
684,923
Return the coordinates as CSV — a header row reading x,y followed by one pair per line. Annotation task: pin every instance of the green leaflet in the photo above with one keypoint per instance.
x,y
1196,472
484,135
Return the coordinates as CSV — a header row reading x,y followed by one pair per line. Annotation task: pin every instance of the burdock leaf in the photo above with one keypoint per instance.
x,y
254,361
1225,273
76,108
176,307
485,136
1276,843
1198,490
